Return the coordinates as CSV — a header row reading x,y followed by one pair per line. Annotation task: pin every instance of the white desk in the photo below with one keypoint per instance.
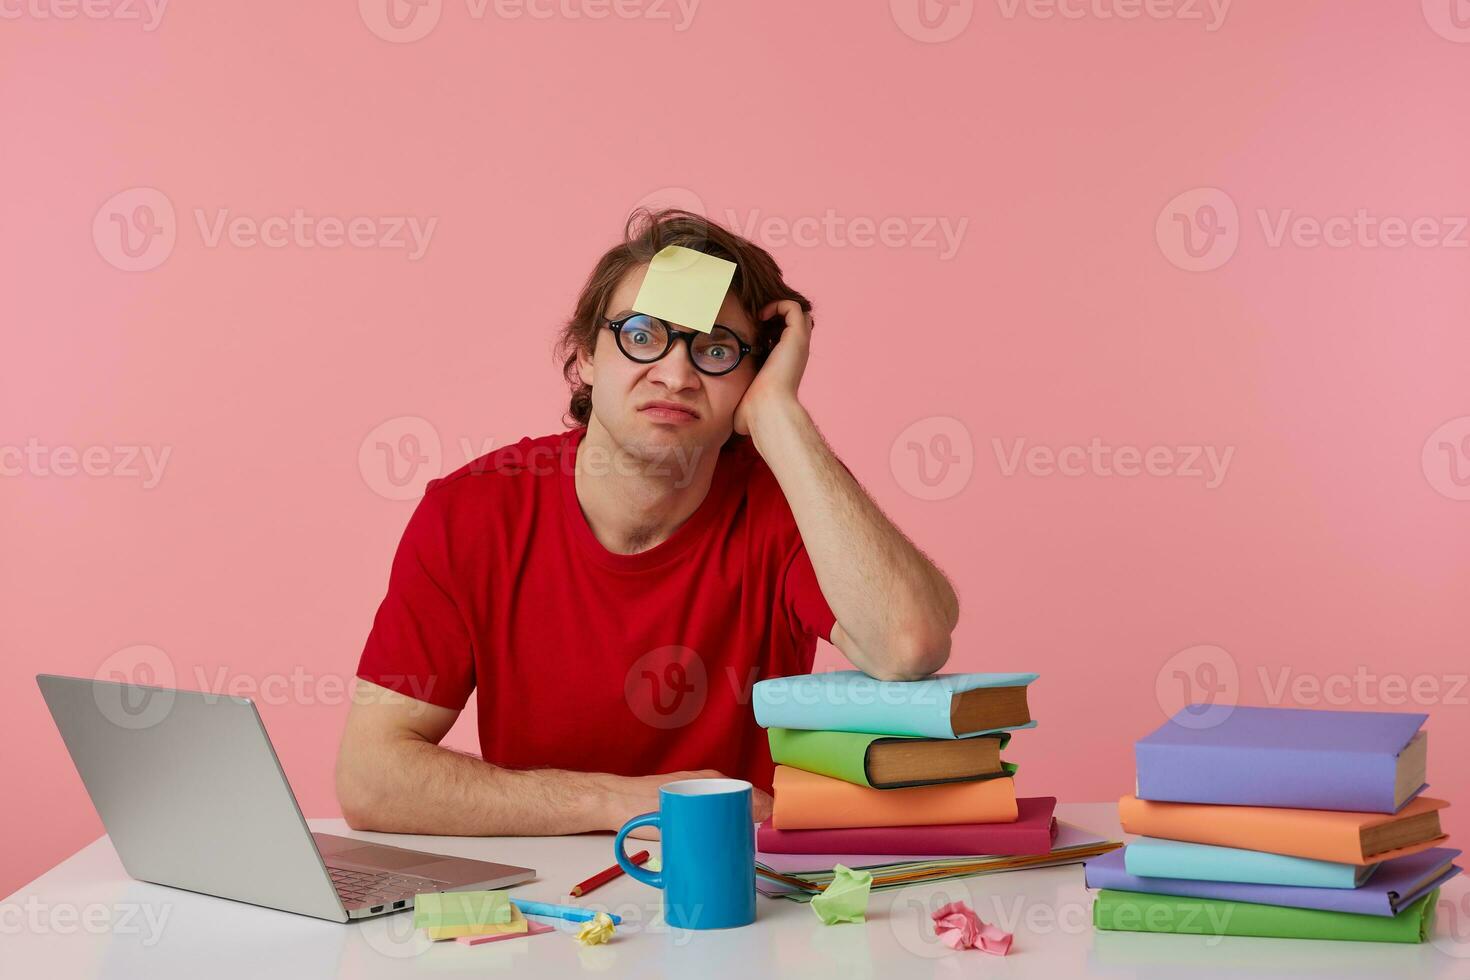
x,y
86,918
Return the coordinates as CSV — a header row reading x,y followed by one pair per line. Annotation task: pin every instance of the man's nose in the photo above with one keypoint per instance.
x,y
675,370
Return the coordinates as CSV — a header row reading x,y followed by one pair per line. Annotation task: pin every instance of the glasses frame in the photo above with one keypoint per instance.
x,y
674,336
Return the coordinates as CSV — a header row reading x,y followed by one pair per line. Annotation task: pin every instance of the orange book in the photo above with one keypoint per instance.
x,y
1344,836
806,801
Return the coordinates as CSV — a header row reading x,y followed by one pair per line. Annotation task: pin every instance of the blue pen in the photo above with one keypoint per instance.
x,y
569,912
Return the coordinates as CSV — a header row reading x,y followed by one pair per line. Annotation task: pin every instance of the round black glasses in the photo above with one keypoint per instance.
x,y
646,339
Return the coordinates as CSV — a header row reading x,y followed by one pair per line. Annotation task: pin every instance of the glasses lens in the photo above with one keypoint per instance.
x,y
643,338
717,351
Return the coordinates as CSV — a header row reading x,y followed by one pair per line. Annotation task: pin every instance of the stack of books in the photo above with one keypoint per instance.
x,y
904,778
1278,822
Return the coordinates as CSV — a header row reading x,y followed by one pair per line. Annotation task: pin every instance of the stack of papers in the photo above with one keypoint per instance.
x,y
800,876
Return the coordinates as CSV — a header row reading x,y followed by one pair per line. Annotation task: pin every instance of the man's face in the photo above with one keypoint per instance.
x,y
654,409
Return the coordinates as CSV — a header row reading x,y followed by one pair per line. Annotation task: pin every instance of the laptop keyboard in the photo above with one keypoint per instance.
x,y
363,889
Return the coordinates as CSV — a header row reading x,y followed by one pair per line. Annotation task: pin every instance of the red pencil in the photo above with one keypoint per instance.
x,y
603,877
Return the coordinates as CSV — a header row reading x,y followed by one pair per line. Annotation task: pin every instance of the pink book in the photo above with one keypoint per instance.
x,y
1031,833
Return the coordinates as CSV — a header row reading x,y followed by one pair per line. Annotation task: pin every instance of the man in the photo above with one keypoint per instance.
x,y
611,592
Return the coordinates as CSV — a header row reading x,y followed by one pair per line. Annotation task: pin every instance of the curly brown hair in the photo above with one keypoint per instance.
x,y
756,283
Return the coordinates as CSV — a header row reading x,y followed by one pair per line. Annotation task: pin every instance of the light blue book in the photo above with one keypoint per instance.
x,y
1150,857
942,706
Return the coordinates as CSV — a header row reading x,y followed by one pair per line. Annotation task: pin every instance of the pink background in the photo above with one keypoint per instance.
x,y
1335,548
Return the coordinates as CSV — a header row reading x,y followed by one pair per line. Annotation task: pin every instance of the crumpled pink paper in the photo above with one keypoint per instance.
x,y
958,927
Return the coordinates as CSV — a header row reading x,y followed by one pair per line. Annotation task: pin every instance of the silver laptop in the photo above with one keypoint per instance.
x,y
192,795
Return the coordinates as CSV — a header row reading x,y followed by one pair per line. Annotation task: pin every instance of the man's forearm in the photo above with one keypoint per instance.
x,y
408,785
898,608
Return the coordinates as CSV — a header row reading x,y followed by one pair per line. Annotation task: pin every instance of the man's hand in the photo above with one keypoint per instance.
x,y
628,796
775,384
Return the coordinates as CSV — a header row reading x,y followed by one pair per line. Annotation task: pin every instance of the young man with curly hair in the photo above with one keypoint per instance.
x,y
609,593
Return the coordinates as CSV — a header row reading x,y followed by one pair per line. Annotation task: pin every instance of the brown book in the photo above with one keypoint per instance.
x,y
890,761
1411,769
894,762
984,709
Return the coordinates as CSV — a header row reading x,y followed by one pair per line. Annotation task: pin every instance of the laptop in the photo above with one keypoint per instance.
x,y
193,796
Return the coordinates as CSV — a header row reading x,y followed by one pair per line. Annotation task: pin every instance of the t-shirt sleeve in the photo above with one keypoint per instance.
x,y
806,607
419,645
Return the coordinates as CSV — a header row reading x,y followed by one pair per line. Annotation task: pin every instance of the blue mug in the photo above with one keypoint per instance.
x,y
708,841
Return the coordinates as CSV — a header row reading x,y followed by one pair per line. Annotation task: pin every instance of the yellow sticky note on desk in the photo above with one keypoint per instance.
x,y
439,909
685,286
518,923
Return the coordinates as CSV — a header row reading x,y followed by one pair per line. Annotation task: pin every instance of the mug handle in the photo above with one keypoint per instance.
x,y
654,878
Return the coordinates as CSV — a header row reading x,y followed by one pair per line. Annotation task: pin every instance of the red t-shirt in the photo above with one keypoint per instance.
x,y
588,660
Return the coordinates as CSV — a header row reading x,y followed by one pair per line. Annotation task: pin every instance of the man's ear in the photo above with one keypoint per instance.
x,y
584,367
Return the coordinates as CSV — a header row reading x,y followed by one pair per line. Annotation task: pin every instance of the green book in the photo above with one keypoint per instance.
x,y
890,761
1138,912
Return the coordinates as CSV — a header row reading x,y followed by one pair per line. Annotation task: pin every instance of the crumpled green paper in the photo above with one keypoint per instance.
x,y
846,898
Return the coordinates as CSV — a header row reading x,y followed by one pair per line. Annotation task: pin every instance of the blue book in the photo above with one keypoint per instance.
x,y
1298,758
942,706
1153,857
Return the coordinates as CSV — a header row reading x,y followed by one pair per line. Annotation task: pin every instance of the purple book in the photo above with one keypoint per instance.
x,y
1394,886
1368,761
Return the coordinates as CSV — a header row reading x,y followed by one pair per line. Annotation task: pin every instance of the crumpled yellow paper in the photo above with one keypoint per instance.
x,y
596,931
846,898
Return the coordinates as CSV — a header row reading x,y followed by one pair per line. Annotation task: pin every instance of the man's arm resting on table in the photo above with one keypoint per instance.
x,y
393,776
895,610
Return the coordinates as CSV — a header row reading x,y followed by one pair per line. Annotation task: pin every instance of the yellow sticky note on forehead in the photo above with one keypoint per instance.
x,y
685,287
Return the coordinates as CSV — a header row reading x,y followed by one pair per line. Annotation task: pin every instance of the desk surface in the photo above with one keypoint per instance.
x,y
86,918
